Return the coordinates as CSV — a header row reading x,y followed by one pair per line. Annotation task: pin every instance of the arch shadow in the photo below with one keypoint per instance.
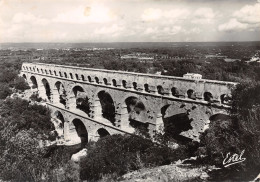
x,y
81,131
175,124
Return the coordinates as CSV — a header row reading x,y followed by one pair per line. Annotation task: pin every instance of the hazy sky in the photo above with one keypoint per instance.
x,y
129,20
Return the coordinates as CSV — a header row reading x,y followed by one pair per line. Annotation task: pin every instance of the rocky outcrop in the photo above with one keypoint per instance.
x,y
81,154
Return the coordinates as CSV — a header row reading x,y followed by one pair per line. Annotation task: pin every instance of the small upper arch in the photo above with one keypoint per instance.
x,y
225,99
175,92
124,83
96,79
82,78
160,90
77,76
208,96
134,85
191,94
71,75
146,88
105,81
114,83
89,79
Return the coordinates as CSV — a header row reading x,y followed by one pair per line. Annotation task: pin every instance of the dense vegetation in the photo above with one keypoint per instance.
x,y
22,158
117,154
234,134
9,78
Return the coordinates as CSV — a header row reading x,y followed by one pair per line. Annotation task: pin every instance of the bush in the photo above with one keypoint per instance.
x,y
119,154
4,91
35,97
20,84
221,137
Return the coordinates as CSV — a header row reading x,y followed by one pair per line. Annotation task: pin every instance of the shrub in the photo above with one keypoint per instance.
x,y
119,154
221,137
4,91
20,84
35,97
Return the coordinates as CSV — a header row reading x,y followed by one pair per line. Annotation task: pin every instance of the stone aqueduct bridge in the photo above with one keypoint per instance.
x,y
91,103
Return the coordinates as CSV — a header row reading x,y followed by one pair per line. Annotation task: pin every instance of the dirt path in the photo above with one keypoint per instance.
x,y
171,173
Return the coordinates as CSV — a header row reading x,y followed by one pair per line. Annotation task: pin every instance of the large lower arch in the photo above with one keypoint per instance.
x,y
136,114
59,125
107,105
219,116
24,76
219,119
175,121
33,82
81,131
160,119
101,132
47,88
59,94
80,99
83,104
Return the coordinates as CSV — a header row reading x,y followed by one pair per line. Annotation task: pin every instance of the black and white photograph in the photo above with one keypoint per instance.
x,y
129,90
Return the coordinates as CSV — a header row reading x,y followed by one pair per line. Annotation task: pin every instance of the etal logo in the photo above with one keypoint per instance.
x,y
233,159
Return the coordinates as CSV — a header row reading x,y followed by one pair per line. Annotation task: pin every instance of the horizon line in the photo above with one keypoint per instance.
x,y
125,42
